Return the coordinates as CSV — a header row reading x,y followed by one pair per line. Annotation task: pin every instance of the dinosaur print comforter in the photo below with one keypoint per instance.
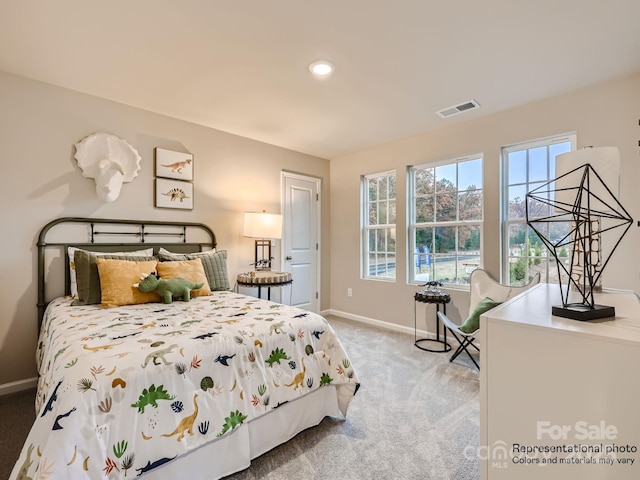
x,y
124,390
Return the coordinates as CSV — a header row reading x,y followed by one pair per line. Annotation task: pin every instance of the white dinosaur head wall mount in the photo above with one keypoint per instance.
x,y
110,161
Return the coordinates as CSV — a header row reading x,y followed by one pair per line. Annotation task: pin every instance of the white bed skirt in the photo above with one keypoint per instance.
x,y
234,452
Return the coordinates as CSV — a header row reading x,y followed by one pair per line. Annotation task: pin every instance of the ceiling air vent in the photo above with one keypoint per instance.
x,y
463,107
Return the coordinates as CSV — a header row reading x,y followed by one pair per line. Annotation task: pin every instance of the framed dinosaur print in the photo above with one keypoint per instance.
x,y
177,165
174,194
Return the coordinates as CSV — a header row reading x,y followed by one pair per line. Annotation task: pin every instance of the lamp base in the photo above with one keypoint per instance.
x,y
582,312
263,250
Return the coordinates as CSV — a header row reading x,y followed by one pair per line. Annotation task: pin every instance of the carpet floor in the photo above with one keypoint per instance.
x,y
17,413
416,416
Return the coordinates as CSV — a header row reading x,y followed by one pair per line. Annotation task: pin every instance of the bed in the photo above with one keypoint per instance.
x,y
188,389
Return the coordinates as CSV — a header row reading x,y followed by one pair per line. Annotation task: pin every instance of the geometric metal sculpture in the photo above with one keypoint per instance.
x,y
581,199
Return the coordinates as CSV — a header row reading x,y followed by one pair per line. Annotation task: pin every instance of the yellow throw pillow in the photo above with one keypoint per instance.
x,y
191,270
116,282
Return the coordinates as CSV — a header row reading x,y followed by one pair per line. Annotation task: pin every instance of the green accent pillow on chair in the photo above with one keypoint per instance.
x,y
472,323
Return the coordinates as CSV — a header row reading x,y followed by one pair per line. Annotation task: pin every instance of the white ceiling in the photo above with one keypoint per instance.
x,y
241,65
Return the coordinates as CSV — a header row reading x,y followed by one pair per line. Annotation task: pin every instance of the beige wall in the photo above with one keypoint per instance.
x,y
39,125
603,115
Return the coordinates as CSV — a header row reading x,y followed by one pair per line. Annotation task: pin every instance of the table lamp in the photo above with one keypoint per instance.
x,y
263,227
583,195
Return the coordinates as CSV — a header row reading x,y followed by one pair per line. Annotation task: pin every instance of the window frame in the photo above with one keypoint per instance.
x,y
413,225
505,221
366,228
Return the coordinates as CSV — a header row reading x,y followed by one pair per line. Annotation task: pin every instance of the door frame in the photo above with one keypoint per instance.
x,y
284,174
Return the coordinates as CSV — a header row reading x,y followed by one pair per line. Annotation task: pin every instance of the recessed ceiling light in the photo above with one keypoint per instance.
x,y
322,68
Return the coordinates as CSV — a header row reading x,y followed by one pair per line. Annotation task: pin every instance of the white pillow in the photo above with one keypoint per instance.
x,y
71,251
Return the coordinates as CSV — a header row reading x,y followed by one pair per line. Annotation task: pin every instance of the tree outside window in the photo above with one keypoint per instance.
x,y
446,220
527,166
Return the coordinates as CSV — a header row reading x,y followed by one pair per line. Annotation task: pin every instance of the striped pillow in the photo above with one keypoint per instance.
x,y
214,263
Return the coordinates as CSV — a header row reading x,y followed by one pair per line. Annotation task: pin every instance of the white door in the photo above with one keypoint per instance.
x,y
301,238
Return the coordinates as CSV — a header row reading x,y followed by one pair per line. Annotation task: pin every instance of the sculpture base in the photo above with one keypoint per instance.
x,y
582,312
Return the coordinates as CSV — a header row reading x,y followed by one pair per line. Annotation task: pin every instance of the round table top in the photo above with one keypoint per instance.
x,y
264,277
432,296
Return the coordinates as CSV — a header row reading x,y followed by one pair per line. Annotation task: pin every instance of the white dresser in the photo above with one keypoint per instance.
x,y
559,398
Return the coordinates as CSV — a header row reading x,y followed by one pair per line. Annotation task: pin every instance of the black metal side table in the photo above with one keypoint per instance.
x,y
439,298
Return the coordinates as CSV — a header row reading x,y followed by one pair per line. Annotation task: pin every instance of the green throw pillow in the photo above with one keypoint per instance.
x,y
88,278
472,323
215,266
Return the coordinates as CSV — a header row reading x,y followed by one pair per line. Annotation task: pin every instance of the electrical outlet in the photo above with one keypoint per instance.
x,y
349,292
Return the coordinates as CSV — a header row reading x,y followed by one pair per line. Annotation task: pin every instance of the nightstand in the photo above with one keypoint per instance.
x,y
438,297
265,278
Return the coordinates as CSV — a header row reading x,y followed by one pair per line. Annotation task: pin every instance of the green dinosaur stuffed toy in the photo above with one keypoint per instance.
x,y
167,289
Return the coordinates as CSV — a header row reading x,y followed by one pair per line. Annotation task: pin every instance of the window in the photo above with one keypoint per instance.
x,y
379,226
527,166
445,227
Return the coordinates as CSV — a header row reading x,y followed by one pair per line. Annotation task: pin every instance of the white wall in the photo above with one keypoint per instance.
x,y
601,115
40,181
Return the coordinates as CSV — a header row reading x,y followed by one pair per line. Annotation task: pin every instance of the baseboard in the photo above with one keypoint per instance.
x,y
20,385
378,323
388,326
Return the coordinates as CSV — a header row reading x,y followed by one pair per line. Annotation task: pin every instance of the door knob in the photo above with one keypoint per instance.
x,y
288,257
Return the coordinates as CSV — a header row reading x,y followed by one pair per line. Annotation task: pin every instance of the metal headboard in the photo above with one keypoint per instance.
x,y
142,233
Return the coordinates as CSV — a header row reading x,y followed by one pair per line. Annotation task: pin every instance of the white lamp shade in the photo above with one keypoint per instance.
x,y
604,160
262,225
